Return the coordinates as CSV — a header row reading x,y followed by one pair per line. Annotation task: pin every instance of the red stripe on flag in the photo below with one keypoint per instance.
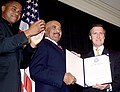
x,y
22,87
30,15
27,83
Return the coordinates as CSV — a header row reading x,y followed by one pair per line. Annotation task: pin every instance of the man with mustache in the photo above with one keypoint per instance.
x,y
48,65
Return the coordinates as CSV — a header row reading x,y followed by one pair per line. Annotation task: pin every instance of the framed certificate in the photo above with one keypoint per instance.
x,y
89,71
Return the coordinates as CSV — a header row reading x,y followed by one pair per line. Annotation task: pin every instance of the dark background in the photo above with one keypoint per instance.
x,y
76,25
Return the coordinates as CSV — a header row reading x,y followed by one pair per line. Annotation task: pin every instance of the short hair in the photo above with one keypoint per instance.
x,y
9,1
96,25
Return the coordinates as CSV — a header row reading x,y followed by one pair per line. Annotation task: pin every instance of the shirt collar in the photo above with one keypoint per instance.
x,y
101,48
6,22
51,40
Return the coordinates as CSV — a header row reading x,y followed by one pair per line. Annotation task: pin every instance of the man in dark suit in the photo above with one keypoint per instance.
x,y
48,65
97,36
12,54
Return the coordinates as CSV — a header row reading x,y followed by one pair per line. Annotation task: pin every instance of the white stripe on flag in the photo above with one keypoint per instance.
x,y
30,15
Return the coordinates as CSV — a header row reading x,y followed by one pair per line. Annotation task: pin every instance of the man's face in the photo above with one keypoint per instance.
x,y
53,30
97,36
11,12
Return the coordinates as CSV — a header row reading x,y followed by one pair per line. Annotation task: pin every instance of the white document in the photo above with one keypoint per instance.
x,y
97,70
89,71
74,65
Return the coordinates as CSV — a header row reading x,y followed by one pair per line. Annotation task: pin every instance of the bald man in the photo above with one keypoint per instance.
x,y
48,65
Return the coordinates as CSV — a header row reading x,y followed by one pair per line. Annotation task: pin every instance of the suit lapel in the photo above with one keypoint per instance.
x,y
105,52
55,46
91,54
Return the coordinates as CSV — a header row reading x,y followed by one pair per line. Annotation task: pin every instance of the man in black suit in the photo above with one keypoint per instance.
x,y
12,54
48,65
97,36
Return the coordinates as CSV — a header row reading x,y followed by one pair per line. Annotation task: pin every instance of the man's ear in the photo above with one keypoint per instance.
x,y
3,8
90,37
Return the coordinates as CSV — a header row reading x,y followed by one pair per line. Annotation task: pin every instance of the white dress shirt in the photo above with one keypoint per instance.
x,y
101,48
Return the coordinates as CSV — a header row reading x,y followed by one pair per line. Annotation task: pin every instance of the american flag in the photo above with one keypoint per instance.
x,y
30,15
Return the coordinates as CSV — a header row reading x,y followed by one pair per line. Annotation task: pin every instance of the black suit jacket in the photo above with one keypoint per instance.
x,y
47,68
11,55
114,57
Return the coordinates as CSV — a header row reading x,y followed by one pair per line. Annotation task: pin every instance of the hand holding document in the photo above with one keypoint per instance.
x,y
89,71
97,70
74,65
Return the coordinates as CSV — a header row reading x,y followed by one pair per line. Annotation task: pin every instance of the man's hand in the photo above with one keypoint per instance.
x,y
69,79
35,28
101,87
